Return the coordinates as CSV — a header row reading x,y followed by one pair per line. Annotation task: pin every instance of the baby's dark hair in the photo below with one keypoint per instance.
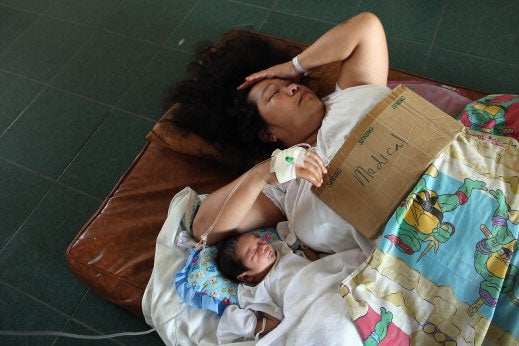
x,y
226,260
212,108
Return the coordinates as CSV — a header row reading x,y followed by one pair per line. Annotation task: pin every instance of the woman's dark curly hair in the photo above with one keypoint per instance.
x,y
212,108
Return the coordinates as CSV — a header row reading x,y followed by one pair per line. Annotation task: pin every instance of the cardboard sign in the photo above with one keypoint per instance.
x,y
384,157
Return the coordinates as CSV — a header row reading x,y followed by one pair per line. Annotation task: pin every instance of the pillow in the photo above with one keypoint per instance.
x,y
494,114
201,285
165,132
449,99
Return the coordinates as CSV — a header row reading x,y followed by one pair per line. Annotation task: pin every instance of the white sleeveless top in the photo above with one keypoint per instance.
x,y
310,221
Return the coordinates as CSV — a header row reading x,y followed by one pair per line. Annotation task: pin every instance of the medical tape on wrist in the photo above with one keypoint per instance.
x,y
283,162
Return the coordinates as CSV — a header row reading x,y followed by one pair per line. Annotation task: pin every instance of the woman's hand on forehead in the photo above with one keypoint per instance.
x,y
284,71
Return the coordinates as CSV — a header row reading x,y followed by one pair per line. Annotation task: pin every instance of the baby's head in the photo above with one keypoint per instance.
x,y
246,258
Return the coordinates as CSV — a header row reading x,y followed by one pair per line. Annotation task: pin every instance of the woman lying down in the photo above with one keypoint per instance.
x,y
245,96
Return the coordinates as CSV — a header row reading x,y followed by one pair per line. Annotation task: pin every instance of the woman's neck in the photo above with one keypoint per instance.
x,y
312,138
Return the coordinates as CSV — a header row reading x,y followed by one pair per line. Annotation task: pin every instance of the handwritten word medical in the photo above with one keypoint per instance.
x,y
364,175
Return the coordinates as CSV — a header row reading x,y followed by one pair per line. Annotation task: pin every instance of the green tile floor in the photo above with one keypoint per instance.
x,y
80,86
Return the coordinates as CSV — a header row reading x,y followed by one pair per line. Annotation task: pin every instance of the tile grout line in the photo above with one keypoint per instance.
x,y
68,318
46,85
99,28
87,98
96,129
22,112
305,17
87,326
15,233
54,182
111,109
134,81
478,57
81,323
248,4
357,7
94,132
113,106
294,15
39,16
102,23
87,41
85,142
30,296
5,49
267,15
27,169
435,35
160,46
456,52
179,24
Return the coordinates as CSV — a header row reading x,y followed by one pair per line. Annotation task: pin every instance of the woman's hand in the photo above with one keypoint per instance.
x,y
294,162
312,169
284,71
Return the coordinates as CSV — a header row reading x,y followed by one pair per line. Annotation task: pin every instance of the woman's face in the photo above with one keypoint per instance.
x,y
292,111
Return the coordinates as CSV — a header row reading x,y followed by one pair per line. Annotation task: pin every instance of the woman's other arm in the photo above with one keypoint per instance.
x,y
243,207
359,42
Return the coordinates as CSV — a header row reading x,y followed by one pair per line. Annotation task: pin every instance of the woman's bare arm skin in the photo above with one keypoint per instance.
x,y
248,208
359,42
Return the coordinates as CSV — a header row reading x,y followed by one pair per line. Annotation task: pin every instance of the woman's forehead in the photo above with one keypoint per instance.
x,y
267,81
257,90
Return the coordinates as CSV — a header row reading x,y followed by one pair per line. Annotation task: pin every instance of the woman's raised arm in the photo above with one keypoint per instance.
x,y
359,42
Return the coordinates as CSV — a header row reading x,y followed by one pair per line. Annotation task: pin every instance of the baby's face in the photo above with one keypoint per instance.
x,y
255,253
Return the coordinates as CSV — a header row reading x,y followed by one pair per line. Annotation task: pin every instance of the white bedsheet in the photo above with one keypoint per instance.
x,y
315,314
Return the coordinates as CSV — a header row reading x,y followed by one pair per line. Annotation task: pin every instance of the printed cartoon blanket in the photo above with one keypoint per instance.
x,y
446,270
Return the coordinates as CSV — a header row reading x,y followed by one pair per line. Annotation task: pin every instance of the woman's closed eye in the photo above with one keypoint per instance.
x,y
273,94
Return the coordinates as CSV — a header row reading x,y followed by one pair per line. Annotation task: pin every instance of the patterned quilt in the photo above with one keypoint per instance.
x,y
446,270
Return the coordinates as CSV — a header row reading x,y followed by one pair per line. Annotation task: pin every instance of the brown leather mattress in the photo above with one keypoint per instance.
x,y
113,252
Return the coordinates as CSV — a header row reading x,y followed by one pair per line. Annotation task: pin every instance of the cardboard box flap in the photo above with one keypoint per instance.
x,y
383,158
